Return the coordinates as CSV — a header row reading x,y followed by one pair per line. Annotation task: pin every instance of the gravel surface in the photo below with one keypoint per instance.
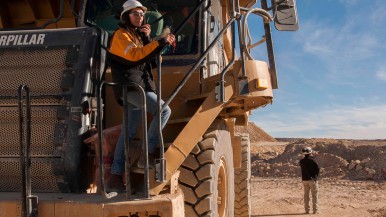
x,y
352,181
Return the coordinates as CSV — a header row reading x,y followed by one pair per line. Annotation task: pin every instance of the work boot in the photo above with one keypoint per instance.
x,y
141,161
116,183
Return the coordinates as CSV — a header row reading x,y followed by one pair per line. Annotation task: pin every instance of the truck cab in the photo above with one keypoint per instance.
x,y
59,120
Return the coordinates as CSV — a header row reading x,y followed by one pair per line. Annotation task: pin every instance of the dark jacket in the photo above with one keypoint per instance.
x,y
130,58
310,169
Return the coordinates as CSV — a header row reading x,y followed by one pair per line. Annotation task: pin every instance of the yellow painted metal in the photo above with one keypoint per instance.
x,y
227,38
242,120
255,70
191,133
67,209
236,147
247,3
236,143
261,84
10,209
163,206
72,205
222,188
35,13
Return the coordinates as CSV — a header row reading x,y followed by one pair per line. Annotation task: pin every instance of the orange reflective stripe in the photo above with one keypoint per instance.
x,y
123,45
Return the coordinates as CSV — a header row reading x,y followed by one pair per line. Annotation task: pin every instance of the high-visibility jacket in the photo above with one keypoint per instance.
x,y
130,58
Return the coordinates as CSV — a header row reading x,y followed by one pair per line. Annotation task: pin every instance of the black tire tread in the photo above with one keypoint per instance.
x,y
243,181
198,190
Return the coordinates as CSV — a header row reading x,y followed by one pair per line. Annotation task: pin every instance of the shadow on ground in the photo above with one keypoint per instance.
x,y
289,214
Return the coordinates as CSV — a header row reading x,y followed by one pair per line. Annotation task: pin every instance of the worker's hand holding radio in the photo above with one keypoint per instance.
x,y
145,30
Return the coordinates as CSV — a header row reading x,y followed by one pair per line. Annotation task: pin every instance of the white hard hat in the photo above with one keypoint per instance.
x,y
131,4
306,150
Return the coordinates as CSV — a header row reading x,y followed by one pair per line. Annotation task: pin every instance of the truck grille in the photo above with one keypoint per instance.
x,y
41,170
43,123
55,72
40,69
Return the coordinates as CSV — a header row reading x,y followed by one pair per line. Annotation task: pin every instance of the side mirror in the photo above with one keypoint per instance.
x,y
286,17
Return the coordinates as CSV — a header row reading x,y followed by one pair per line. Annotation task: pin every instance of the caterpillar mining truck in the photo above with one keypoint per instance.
x,y
56,93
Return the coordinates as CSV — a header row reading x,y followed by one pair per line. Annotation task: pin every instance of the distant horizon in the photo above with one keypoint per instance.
x,y
293,138
329,138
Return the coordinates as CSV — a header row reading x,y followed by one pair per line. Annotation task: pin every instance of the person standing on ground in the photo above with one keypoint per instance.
x,y
130,57
310,172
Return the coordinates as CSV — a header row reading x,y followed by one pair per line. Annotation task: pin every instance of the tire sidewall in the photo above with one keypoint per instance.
x,y
224,151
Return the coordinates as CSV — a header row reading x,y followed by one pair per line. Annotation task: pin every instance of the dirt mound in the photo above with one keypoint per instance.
x,y
350,159
256,134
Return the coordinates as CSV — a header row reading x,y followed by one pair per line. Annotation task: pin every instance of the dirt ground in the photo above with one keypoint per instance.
x,y
352,181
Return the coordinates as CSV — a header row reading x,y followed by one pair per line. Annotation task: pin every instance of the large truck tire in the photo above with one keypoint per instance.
x,y
207,175
243,198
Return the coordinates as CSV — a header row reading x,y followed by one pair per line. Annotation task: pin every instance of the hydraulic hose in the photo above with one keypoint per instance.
x,y
260,12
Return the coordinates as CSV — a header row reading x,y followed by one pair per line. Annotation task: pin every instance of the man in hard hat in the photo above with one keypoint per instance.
x,y
310,172
130,57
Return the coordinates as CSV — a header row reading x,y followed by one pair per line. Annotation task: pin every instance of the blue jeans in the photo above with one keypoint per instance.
x,y
134,117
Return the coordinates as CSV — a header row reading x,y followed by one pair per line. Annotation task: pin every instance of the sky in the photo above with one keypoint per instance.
x,y
331,73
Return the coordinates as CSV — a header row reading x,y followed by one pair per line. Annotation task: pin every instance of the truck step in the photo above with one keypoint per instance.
x,y
178,121
137,170
195,98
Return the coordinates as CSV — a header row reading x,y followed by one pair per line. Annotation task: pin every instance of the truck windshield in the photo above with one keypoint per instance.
x,y
160,14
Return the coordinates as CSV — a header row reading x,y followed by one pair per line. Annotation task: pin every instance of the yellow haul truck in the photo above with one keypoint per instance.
x,y
55,91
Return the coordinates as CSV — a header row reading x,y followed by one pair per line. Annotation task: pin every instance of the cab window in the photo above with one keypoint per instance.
x,y
160,15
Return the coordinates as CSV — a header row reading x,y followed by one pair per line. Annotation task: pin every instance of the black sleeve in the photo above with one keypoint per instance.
x,y
146,40
315,168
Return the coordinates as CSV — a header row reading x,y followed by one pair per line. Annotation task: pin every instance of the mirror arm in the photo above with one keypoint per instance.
x,y
259,12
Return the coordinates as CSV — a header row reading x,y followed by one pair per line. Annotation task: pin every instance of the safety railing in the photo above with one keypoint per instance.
x,y
29,202
205,52
161,169
241,23
126,139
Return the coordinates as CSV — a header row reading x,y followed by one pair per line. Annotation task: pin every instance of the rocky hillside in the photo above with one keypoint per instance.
x,y
256,134
347,159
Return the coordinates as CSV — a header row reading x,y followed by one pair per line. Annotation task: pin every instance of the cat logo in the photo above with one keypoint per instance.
x,y
25,39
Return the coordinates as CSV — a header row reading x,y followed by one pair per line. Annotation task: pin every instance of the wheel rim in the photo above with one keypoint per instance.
x,y
222,182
